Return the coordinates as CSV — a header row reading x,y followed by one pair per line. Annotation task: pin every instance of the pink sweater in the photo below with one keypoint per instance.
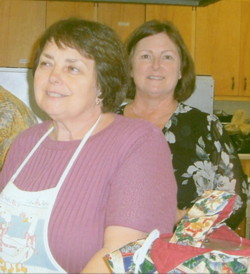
x,y
123,177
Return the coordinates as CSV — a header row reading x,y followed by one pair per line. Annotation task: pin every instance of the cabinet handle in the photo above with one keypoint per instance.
x,y
123,24
245,83
233,83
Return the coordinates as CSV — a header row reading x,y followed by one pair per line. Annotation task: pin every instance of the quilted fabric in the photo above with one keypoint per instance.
x,y
202,243
15,116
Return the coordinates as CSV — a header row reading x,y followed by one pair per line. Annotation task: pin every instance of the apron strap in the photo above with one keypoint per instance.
x,y
76,153
72,160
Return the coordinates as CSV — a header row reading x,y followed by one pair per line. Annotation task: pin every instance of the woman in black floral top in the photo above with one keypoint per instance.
x,y
162,77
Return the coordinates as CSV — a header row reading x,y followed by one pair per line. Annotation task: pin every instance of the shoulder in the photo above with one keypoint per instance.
x,y
22,144
135,126
33,133
192,115
134,136
187,110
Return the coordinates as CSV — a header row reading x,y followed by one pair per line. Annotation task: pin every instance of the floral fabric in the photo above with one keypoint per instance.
x,y
121,260
213,207
203,158
214,262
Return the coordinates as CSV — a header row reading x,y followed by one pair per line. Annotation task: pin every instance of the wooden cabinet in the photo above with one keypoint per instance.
x,y
244,79
21,23
222,46
123,18
182,16
57,10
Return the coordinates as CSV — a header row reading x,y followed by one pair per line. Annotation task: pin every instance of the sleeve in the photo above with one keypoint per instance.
x,y
229,173
143,190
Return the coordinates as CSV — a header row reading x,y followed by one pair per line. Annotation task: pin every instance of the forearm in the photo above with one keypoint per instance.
x,y
97,264
114,238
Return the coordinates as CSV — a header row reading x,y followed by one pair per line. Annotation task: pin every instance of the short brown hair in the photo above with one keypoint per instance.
x,y
98,42
186,85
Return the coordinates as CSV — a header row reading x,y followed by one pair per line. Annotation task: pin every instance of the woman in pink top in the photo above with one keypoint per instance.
x,y
87,181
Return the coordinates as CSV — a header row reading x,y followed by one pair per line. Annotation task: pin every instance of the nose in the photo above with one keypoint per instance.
x,y
156,63
55,76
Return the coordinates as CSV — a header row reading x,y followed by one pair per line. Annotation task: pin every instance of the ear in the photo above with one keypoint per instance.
x,y
131,69
98,100
98,91
131,73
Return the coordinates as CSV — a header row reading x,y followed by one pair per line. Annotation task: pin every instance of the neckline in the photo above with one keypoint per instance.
x,y
62,145
163,124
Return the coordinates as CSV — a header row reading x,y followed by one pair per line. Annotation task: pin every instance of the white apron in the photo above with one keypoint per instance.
x,y
24,220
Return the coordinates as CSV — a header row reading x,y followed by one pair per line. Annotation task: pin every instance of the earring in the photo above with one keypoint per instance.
x,y
98,100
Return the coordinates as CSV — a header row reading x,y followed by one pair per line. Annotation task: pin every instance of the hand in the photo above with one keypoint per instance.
x,y
180,214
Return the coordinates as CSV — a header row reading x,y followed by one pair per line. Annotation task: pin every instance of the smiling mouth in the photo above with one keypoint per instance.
x,y
155,77
55,94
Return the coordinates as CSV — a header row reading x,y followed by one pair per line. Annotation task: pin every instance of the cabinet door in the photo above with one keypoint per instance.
x,y
57,10
217,44
246,167
21,23
123,18
244,79
182,16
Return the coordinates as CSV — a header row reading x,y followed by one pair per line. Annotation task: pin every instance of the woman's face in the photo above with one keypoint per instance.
x,y
156,66
65,83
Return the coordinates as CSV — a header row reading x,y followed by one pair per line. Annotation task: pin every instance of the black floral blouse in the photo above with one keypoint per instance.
x,y
203,158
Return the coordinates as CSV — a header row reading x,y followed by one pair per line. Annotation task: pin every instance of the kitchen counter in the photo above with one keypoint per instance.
x,y
244,156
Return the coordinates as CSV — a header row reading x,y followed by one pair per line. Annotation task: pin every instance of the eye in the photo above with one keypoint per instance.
x,y
167,57
73,69
145,56
44,64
